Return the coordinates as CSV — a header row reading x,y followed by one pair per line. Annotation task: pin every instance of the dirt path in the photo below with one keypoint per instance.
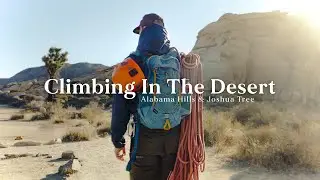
x,y
96,156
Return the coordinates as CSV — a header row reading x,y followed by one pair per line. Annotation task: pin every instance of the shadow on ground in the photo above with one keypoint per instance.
x,y
58,160
55,176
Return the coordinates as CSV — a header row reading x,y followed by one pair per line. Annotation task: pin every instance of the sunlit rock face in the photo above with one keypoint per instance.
x,y
263,47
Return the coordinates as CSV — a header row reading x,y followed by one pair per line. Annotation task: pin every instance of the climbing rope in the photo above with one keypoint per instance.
x,y
191,151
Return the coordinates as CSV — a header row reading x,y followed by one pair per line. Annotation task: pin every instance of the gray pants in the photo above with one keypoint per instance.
x,y
156,154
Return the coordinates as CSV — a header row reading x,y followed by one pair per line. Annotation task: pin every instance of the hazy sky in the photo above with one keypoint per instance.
x,y
100,31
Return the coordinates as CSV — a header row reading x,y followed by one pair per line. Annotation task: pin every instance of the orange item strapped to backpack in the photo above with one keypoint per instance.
x,y
128,72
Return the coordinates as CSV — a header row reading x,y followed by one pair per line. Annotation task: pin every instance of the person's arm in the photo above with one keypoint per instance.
x,y
120,119
122,109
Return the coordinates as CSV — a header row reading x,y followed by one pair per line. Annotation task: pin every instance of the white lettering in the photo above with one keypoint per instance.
x,y
173,84
199,87
213,81
250,87
46,86
230,87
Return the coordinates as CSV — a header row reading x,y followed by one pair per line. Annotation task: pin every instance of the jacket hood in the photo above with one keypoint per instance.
x,y
154,39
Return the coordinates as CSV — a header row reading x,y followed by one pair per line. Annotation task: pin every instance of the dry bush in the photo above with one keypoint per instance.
x,y
17,117
73,113
58,121
265,137
79,125
93,113
104,129
220,131
255,114
34,106
75,137
59,113
41,116
83,134
277,147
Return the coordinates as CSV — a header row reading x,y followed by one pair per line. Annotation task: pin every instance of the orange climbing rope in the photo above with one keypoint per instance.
x,y
191,152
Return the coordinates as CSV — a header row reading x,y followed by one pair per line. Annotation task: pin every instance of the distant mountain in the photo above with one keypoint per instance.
x,y
3,80
70,71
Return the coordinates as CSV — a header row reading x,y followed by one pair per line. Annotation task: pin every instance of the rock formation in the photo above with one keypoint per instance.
x,y
263,47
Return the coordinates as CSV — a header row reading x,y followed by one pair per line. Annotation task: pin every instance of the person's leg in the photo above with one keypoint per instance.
x,y
146,168
167,165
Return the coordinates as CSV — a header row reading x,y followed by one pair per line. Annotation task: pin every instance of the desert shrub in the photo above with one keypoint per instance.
x,y
34,106
255,114
93,113
17,117
61,98
79,125
75,137
59,113
208,139
74,115
104,129
84,134
220,131
58,121
279,148
263,136
41,116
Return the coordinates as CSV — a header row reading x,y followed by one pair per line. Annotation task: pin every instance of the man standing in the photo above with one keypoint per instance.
x,y
152,151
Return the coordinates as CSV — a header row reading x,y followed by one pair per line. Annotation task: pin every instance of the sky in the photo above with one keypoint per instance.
x,y
100,31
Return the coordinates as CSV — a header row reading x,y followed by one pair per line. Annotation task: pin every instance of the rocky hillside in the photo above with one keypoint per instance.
x,y
260,47
67,71
19,93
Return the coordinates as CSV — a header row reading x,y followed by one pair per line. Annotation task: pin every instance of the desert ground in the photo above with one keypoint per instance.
x,y
96,156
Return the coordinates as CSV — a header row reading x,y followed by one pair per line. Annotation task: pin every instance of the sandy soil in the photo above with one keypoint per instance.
x,y
96,156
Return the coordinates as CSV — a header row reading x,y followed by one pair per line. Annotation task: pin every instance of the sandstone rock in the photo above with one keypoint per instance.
x,y
55,141
71,167
26,143
2,146
68,155
58,141
263,47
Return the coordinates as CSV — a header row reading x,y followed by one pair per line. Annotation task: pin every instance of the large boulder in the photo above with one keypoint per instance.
x,y
263,47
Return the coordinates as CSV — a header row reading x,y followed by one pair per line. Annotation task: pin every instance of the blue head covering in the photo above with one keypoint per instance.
x,y
154,39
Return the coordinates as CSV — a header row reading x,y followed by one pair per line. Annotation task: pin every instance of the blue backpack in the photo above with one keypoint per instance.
x,y
166,109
